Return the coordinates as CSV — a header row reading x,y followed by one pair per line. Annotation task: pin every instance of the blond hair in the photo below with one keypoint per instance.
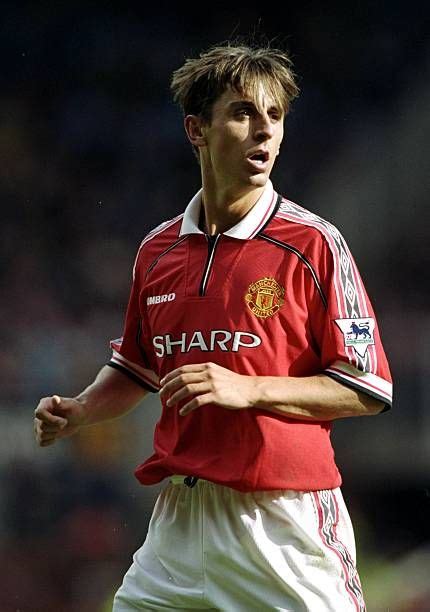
x,y
201,81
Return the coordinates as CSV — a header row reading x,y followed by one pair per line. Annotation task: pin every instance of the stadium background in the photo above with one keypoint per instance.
x,y
92,156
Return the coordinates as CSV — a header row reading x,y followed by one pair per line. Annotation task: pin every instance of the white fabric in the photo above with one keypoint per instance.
x,y
213,548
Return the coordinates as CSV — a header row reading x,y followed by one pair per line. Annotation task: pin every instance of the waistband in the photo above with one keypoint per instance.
x,y
189,481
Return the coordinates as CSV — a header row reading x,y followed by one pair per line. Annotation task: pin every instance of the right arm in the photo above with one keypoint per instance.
x,y
111,395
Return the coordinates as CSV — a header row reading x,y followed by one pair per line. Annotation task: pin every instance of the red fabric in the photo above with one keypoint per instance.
x,y
246,449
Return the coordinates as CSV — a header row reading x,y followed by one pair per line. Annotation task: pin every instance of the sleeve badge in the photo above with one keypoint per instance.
x,y
358,333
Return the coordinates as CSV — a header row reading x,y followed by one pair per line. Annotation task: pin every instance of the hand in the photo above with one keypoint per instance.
x,y
208,383
57,417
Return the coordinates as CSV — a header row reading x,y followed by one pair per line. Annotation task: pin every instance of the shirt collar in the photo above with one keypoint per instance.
x,y
247,227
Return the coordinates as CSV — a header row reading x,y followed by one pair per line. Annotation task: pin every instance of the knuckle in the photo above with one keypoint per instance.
x,y
40,413
42,402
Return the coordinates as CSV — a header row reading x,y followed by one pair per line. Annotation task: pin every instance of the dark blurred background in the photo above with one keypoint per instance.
x,y
92,156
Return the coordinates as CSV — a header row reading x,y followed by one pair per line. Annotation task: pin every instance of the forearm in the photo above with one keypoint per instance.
x,y
318,398
111,395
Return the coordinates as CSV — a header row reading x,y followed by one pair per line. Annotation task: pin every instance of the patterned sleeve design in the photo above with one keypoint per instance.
x,y
352,351
344,324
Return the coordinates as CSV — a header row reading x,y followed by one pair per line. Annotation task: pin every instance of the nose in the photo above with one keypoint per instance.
x,y
263,127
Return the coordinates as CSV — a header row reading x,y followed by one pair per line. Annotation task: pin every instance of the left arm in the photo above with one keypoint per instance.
x,y
313,398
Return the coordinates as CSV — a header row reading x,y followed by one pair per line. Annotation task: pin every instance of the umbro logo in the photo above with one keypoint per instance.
x,y
159,299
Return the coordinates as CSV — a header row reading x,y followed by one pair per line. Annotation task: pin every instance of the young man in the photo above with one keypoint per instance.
x,y
248,315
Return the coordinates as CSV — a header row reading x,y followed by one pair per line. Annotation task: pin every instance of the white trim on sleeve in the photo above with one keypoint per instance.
x,y
147,376
370,383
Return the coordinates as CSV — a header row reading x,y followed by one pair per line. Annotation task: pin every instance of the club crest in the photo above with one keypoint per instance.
x,y
265,297
358,333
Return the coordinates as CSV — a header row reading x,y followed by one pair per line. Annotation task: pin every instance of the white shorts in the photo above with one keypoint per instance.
x,y
213,548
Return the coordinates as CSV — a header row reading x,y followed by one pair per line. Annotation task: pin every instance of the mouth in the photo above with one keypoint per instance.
x,y
260,157
259,160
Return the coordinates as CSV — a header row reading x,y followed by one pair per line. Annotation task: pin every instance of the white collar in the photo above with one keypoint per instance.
x,y
247,227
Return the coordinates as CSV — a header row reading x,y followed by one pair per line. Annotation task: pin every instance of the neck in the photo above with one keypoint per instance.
x,y
227,205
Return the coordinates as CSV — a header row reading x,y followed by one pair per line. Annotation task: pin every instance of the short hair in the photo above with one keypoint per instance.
x,y
201,81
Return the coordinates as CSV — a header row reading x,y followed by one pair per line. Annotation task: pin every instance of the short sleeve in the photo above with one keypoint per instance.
x,y
345,325
128,354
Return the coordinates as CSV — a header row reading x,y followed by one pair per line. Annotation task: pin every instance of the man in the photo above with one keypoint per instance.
x,y
243,315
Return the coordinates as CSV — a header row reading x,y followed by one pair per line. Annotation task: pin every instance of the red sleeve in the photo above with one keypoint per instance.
x,y
345,325
128,354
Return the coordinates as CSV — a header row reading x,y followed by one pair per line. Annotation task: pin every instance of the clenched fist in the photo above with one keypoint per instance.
x,y
57,417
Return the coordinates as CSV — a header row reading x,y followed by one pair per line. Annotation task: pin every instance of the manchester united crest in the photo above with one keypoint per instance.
x,y
265,297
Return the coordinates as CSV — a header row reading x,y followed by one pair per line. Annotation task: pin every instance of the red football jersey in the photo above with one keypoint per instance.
x,y
278,295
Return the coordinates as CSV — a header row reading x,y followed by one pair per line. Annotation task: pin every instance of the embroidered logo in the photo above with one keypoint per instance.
x,y
265,297
358,333
160,299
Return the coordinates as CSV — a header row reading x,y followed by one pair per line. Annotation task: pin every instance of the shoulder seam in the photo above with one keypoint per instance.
x,y
169,248
161,227
304,260
152,234
304,217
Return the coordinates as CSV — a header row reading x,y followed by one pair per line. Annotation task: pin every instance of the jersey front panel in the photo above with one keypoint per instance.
x,y
259,306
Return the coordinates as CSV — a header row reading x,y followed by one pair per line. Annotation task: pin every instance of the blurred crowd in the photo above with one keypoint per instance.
x,y
93,156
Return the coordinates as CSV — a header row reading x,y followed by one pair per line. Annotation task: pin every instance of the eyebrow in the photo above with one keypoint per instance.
x,y
249,103
237,103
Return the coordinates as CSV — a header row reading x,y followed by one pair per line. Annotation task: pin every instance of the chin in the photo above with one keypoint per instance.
x,y
258,180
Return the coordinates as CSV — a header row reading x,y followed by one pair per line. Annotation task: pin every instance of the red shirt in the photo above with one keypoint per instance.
x,y
278,295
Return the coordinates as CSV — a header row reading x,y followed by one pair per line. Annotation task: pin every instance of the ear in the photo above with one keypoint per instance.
x,y
193,126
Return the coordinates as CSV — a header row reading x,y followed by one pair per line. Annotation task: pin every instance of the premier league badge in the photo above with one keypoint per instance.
x,y
358,333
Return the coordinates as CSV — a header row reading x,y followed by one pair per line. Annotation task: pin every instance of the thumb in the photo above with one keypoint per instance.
x,y
56,400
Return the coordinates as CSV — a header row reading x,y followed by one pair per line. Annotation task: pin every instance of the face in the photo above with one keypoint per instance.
x,y
239,146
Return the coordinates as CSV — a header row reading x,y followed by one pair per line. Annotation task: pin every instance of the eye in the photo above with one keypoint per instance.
x,y
243,112
275,115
